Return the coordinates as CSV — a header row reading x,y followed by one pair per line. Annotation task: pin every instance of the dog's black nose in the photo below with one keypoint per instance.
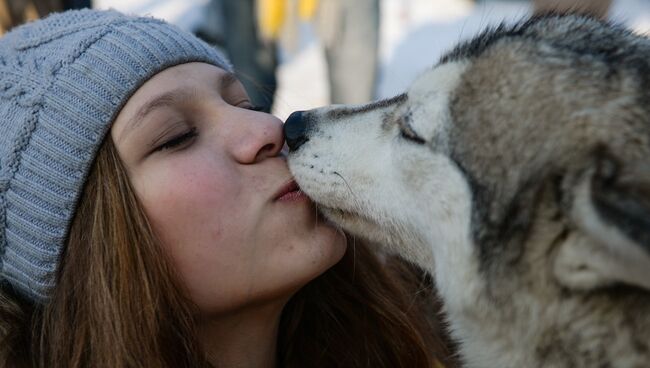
x,y
295,130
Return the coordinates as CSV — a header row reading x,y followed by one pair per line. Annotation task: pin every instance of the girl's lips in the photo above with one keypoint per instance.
x,y
290,192
297,195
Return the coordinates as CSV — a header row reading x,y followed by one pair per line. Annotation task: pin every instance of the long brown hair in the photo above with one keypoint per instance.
x,y
119,304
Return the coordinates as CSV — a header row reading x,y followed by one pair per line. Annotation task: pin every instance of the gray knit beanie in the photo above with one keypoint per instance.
x,y
63,79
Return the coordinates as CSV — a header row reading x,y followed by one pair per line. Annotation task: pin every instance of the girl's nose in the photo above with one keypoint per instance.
x,y
257,136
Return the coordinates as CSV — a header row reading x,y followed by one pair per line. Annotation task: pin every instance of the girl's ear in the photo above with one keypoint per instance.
x,y
611,210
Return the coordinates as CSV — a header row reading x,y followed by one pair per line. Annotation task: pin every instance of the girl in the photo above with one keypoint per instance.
x,y
148,218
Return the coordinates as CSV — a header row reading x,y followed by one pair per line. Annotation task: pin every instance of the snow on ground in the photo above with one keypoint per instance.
x,y
414,33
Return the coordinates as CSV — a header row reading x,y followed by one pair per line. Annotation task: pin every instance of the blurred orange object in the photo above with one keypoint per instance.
x,y
270,17
307,9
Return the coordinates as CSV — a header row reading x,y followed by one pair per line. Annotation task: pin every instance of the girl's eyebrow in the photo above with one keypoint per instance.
x,y
163,100
168,98
226,80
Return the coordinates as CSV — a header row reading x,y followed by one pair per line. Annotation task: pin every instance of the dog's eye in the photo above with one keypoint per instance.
x,y
408,133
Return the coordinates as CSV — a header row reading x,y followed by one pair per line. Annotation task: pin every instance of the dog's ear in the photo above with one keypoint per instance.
x,y
611,211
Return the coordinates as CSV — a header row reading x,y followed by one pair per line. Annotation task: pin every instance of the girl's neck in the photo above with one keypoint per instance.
x,y
244,339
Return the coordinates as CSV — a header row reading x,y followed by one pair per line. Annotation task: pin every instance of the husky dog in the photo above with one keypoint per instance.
x,y
517,172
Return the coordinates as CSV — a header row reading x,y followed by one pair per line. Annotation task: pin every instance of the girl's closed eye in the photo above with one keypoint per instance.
x,y
178,141
246,104
254,107
185,138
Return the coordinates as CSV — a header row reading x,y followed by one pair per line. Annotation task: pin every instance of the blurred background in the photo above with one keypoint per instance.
x,y
299,54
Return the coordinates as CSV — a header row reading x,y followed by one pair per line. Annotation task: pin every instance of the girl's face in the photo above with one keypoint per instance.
x,y
215,186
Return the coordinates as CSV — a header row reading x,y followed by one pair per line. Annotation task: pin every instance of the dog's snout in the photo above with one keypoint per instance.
x,y
295,130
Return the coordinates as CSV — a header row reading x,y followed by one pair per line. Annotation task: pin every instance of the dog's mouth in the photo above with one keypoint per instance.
x,y
361,225
347,219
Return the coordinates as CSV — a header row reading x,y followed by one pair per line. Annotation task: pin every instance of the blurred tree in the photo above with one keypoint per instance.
x,y
231,25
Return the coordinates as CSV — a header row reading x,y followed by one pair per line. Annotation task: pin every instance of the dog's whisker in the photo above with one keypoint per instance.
x,y
355,198
354,256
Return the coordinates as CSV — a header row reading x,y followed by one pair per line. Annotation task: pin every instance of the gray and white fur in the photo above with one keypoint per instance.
x,y
517,172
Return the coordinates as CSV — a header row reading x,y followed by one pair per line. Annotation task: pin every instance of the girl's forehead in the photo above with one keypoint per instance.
x,y
174,85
